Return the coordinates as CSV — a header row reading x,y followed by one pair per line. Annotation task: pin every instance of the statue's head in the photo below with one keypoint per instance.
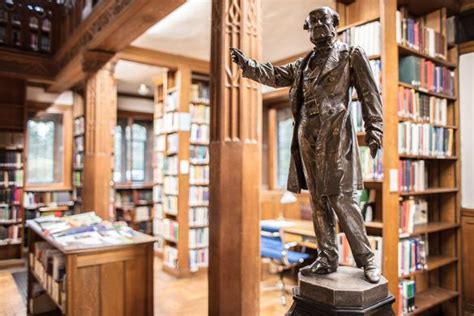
x,y
321,24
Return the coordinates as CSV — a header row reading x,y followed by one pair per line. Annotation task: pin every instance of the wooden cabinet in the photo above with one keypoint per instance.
x,y
112,280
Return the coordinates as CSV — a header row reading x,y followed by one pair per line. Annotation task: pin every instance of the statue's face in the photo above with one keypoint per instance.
x,y
320,26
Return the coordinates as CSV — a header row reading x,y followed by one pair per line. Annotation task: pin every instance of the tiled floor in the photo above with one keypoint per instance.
x,y
191,292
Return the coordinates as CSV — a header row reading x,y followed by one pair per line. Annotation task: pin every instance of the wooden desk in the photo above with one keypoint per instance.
x,y
104,280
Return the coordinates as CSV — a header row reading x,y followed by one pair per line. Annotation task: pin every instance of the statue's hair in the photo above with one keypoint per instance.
x,y
334,15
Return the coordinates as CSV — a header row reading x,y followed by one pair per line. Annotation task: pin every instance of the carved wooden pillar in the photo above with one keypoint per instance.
x,y
235,153
100,121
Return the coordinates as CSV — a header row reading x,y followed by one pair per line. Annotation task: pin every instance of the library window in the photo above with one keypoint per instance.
x,y
45,149
133,151
284,135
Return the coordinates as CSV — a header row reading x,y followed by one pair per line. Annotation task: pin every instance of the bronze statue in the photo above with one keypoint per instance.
x,y
324,151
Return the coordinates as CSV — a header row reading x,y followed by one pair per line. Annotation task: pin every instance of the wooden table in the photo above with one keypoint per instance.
x,y
103,280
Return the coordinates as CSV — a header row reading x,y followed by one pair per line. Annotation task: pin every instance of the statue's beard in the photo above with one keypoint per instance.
x,y
323,35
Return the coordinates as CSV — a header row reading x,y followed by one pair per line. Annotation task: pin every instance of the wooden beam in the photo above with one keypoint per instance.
x,y
162,59
111,27
466,48
26,66
235,161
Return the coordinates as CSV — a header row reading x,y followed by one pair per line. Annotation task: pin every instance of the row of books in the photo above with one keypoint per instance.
x,y
170,122
199,154
12,178
170,204
160,143
51,198
52,260
345,254
367,36
79,126
200,91
10,195
414,33
413,175
78,160
128,197
170,185
141,213
424,139
406,302
199,133
79,143
198,258
168,229
200,113
412,213
412,255
198,216
171,165
10,159
427,75
8,213
367,198
11,140
198,196
172,101
170,257
9,234
422,107
77,178
198,175
157,193
172,143
372,169
198,237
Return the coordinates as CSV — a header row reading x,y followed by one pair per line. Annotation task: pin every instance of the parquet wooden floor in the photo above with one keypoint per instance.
x,y
173,297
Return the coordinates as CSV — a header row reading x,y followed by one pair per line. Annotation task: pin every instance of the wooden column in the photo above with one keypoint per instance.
x,y
235,162
100,121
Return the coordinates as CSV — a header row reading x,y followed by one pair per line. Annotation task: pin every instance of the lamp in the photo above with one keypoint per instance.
x,y
143,89
286,198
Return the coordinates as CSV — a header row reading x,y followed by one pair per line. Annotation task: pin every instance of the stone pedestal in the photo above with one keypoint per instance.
x,y
345,292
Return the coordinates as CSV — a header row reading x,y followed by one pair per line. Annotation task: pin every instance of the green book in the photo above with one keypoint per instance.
x,y
409,70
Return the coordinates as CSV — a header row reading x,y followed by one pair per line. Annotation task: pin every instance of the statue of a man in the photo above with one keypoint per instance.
x,y
324,151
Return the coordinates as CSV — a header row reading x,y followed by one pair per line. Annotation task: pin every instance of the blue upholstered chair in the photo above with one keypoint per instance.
x,y
273,247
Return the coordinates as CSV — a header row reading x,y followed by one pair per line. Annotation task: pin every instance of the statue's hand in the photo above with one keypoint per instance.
x,y
238,57
374,140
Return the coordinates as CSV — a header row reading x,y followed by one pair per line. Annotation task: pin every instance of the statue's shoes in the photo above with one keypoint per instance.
x,y
372,272
318,267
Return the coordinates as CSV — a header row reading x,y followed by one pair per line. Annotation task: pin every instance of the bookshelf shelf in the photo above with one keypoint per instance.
x,y
374,224
404,119
405,156
404,50
435,94
433,263
432,297
432,227
430,191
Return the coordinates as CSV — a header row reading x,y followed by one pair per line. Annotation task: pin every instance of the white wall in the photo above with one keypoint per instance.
x,y
135,104
466,97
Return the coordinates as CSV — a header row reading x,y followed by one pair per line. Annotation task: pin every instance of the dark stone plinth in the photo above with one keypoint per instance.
x,y
345,292
345,288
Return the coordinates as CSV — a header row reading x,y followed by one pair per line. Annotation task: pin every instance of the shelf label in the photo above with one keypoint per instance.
x,y
183,166
393,180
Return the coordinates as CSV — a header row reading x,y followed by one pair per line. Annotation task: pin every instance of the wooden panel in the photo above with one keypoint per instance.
x,y
468,261
135,287
112,289
361,10
86,291
109,256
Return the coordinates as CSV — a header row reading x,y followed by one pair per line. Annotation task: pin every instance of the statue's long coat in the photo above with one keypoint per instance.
x,y
336,152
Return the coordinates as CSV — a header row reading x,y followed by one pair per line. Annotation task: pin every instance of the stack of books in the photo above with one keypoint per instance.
x,y
424,139
413,212
413,176
421,107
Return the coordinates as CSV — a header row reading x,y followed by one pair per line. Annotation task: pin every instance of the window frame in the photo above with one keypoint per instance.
x,y
37,108
132,117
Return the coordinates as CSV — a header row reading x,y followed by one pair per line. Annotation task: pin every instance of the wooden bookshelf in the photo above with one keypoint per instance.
x,y
181,170
133,203
78,159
